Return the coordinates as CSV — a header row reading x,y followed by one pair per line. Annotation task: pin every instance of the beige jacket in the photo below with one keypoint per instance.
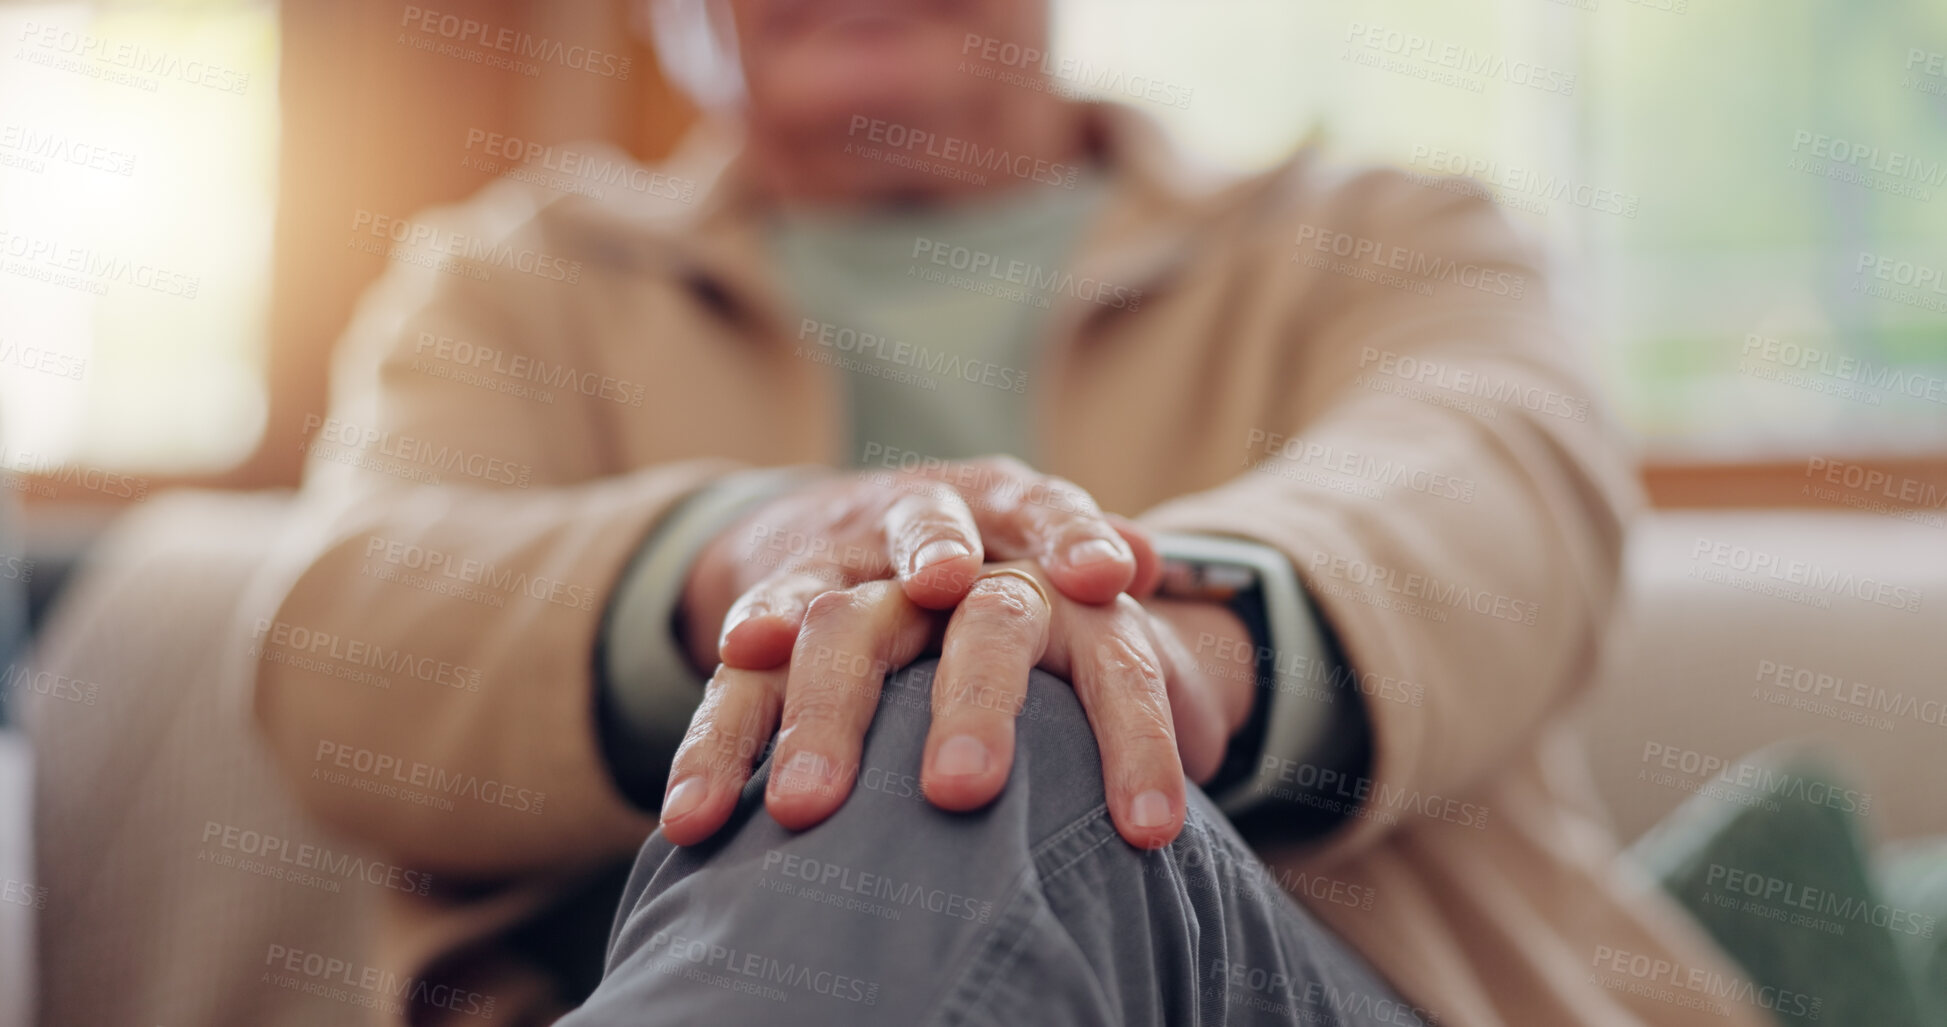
x,y
1453,501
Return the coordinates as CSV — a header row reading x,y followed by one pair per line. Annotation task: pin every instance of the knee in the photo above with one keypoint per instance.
x,y
1057,765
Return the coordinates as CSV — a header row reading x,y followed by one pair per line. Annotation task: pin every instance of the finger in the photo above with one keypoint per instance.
x,y
1084,555
934,544
1149,563
850,639
1196,710
993,642
1025,514
762,625
738,713
1120,682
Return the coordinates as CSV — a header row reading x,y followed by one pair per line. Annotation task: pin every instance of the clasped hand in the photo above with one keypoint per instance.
x,y
998,569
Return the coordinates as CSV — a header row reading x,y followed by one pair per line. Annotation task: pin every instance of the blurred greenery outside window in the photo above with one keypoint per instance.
x,y
1751,198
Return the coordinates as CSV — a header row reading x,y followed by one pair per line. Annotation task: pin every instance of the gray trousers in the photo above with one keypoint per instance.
x,y
1032,911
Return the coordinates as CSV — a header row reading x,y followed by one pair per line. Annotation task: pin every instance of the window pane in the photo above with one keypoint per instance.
x,y
1756,194
137,151
1793,159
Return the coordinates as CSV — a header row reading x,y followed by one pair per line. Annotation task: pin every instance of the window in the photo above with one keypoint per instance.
x,y
1756,193
137,151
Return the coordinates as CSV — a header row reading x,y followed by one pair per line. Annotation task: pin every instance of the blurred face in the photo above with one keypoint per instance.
x,y
814,68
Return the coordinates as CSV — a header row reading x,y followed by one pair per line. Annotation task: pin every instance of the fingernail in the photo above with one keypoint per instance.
x,y
683,798
938,552
1093,551
1151,809
961,756
805,774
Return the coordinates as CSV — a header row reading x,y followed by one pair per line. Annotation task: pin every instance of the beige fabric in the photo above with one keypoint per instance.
x,y
1714,669
141,737
1243,325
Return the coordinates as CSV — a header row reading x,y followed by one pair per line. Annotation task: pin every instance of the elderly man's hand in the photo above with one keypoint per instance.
x,y
1146,697
931,531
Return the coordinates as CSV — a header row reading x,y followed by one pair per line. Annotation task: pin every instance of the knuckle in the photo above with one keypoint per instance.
x,y
1003,601
819,708
829,609
912,533
714,751
1130,660
1146,733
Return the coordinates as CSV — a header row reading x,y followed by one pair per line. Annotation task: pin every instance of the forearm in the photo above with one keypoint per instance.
x,y
656,650
447,634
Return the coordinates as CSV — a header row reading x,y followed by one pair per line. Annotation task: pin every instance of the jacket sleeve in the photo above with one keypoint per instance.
x,y
426,648
1467,601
